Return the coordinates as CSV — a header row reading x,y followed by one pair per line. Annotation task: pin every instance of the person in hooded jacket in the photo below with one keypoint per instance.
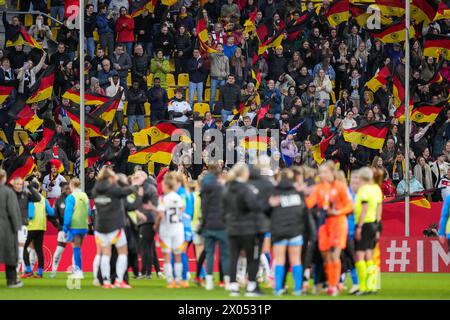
x,y
241,208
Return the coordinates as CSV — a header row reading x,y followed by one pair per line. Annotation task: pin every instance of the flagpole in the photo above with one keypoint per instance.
x,y
407,117
82,82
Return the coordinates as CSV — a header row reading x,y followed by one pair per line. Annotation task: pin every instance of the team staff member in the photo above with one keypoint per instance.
x,y
76,221
25,193
333,197
241,207
10,224
58,222
37,217
368,202
109,225
289,220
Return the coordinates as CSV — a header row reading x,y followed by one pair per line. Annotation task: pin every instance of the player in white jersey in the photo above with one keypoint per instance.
x,y
171,229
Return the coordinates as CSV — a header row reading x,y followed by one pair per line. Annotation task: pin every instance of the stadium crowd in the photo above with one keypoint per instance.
x,y
152,59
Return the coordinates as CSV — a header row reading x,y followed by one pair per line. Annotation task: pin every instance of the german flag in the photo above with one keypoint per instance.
x,y
319,149
22,167
262,112
257,78
435,45
92,156
93,125
398,88
424,10
150,6
294,27
416,199
361,14
338,12
437,78
47,137
371,135
22,37
273,42
25,116
427,112
400,111
161,152
90,99
379,80
141,138
202,35
249,24
390,8
393,33
443,11
5,92
43,88
255,143
107,110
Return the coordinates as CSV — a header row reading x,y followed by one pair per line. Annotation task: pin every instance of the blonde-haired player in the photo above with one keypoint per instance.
x,y
171,229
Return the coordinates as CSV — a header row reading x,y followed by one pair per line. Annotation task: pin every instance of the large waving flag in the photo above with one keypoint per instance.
x,y
43,88
93,125
393,33
416,199
90,99
380,79
249,24
23,38
371,135
150,6
202,35
390,8
107,110
426,112
424,10
295,26
398,87
273,42
5,92
161,152
319,149
435,45
360,14
47,137
25,116
443,11
338,12
260,143
21,168
92,156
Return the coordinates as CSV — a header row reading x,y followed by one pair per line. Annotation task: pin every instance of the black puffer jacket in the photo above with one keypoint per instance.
x,y
265,190
211,193
109,202
27,195
291,218
136,100
183,43
230,96
241,209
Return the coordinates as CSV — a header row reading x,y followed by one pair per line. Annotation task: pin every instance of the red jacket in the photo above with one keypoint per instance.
x,y
125,29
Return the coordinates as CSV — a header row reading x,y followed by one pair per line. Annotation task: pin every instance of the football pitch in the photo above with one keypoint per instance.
x,y
394,286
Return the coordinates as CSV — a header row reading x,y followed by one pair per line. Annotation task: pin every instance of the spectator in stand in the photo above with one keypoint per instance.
x,y
111,91
229,98
106,27
157,97
422,172
69,36
182,52
179,109
125,30
414,185
143,29
140,66
41,32
121,62
220,69
164,41
272,96
135,109
159,66
90,24
106,73
197,75
57,10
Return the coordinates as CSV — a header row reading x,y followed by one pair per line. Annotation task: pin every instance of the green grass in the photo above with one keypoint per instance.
x,y
394,286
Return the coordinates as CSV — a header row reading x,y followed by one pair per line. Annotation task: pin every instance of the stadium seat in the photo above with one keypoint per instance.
x,y
129,82
187,96
170,80
125,105
96,36
147,108
171,65
183,80
201,108
150,80
208,81
330,110
208,95
28,20
170,93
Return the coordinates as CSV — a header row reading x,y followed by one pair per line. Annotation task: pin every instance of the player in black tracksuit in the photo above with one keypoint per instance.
x,y
241,209
289,221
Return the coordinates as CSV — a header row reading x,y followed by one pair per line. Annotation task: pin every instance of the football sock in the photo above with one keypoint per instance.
x,y
121,266
169,272
362,275
178,271
57,258
185,262
297,271
354,275
96,265
279,275
40,271
371,276
105,267
77,258
20,260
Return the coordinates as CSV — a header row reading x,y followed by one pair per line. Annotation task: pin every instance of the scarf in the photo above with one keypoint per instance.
x,y
394,168
426,181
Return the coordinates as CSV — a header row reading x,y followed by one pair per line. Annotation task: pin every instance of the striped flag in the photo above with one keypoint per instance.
x,y
150,6
318,150
424,10
161,152
25,116
393,33
379,80
23,38
273,42
93,125
22,167
338,12
435,45
202,35
255,143
5,92
43,87
360,14
90,99
426,112
371,135
443,11
47,137
390,8
107,110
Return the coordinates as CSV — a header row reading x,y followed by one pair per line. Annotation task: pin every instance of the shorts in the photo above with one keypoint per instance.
x,y
295,241
117,238
62,237
22,234
71,233
172,239
267,235
368,237
333,234
198,239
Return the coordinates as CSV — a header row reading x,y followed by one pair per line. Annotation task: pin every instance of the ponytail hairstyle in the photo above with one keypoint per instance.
x,y
378,175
